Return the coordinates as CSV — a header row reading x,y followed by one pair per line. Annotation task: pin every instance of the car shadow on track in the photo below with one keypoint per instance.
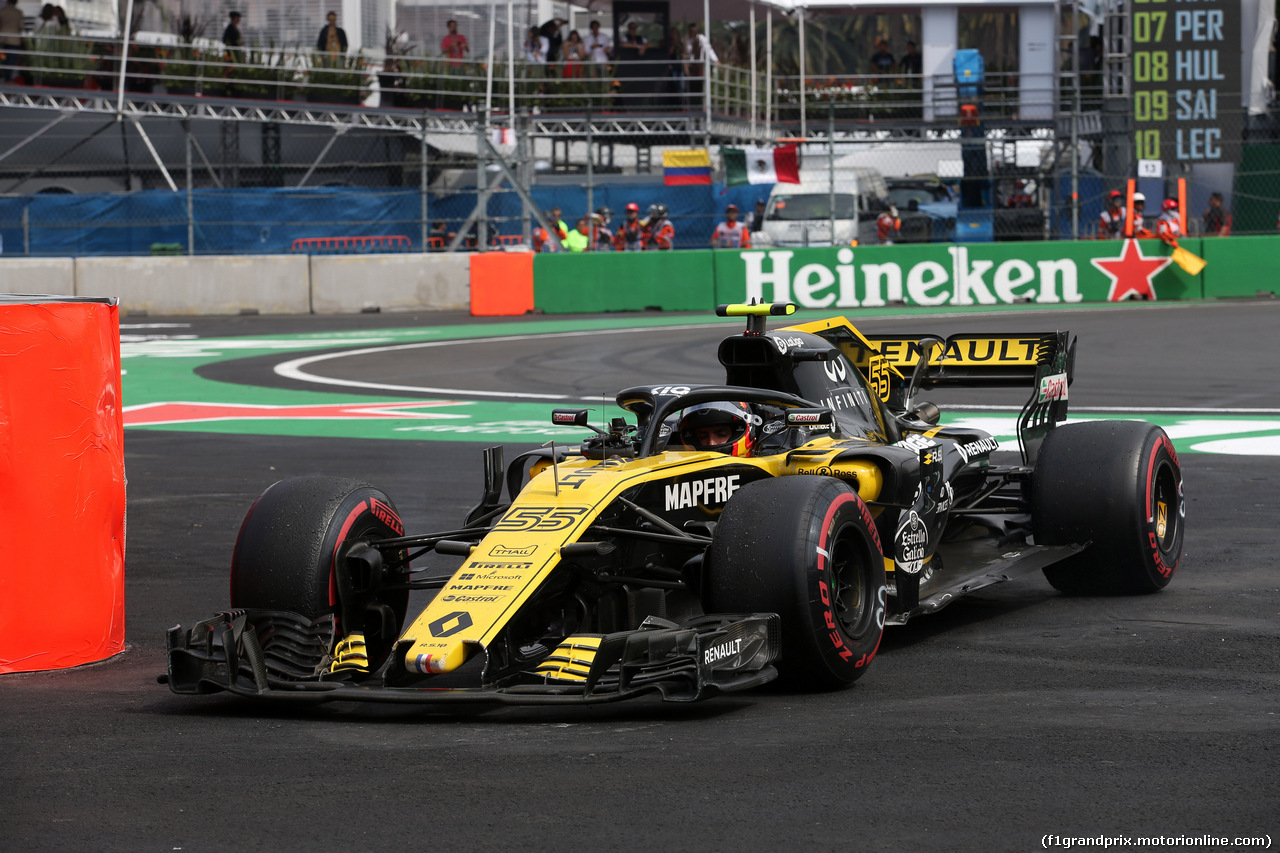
x,y
226,707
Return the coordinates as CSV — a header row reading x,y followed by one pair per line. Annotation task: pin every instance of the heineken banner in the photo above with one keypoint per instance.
x,y
941,274
929,275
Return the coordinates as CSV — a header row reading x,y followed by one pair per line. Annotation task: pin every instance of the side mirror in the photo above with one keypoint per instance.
x,y
573,417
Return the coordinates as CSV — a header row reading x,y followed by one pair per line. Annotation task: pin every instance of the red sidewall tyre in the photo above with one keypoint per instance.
x,y
286,553
806,548
1118,486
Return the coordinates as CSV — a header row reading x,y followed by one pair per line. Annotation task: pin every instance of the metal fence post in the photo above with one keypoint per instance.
x,y
26,228
525,172
831,167
591,178
191,223
422,183
482,185
1075,175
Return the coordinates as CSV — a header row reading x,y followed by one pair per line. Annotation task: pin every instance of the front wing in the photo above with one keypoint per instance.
x,y
279,655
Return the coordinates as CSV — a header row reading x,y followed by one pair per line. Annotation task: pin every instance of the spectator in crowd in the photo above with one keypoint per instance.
x,y
332,38
1020,197
1217,219
755,219
675,68
575,55
731,234
882,60
912,62
1140,229
542,241
11,23
454,44
557,223
1111,220
697,49
633,40
887,225
603,241
1169,225
438,239
600,46
536,47
579,239
551,32
46,19
62,24
660,233
231,35
630,236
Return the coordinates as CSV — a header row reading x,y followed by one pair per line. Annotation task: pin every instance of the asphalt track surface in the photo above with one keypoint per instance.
x,y
1010,715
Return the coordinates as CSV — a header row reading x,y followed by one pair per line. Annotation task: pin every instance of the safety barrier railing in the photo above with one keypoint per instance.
x,y
434,83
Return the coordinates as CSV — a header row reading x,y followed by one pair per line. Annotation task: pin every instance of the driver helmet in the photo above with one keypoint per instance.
x,y
1169,204
657,211
719,428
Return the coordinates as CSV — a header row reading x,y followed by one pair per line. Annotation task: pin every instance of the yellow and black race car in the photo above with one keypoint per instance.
x,y
771,525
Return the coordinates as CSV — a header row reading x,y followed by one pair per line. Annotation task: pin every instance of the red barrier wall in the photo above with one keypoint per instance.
x,y
62,484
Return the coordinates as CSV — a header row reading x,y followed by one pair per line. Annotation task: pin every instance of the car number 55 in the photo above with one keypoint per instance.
x,y
541,519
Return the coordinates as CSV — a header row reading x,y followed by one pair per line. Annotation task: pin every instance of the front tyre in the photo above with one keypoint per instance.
x,y
1118,486
288,556
806,548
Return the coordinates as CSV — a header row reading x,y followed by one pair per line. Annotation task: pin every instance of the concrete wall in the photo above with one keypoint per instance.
x,y
266,284
269,284
342,284
55,276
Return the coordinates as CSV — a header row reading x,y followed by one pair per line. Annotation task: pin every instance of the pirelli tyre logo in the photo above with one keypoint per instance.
x,y
706,492
386,515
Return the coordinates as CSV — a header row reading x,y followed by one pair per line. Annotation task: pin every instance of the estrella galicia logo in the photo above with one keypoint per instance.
x,y
450,624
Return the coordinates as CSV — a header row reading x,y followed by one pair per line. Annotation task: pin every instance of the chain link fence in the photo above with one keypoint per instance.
x,y
946,161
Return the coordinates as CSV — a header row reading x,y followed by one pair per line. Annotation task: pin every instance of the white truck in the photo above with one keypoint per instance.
x,y
802,214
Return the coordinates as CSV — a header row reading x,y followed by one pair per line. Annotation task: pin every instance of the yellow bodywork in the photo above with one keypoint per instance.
x,y
555,509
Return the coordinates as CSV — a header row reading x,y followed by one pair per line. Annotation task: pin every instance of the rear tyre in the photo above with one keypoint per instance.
x,y
287,556
1118,486
806,548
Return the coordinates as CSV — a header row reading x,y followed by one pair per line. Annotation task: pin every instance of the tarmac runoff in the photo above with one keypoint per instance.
x,y
163,390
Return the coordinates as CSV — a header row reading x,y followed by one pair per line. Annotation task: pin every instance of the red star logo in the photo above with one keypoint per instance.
x,y
1131,273
149,414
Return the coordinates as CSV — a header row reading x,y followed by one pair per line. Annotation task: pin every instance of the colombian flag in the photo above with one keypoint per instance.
x,y
681,168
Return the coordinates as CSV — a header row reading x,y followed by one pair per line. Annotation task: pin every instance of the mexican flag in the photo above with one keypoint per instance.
x,y
761,165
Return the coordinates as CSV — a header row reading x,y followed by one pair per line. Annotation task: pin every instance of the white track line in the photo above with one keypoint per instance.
x,y
294,370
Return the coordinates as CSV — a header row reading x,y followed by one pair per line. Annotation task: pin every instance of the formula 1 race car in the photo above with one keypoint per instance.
x,y
733,533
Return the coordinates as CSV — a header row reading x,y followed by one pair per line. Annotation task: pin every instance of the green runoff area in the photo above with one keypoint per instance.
x,y
163,391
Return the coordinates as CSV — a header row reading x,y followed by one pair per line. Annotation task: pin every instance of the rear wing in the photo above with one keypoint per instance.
x,y
896,367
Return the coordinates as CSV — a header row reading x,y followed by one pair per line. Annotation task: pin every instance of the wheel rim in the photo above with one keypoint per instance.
x,y
1165,508
850,588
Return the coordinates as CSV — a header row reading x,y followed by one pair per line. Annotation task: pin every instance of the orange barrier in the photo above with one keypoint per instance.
x,y
501,283
62,486
351,244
